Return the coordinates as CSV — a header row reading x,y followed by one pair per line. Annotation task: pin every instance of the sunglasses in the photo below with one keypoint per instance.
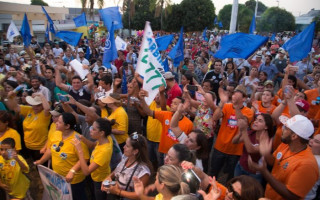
x,y
59,146
235,194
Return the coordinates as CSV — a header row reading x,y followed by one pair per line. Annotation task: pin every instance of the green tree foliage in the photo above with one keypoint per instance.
x,y
243,20
197,14
251,4
173,21
138,19
38,2
275,19
161,8
317,20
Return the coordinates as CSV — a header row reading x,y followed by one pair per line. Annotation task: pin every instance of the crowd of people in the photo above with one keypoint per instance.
x,y
220,129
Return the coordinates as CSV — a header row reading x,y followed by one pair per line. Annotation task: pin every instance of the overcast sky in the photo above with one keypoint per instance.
x,y
297,7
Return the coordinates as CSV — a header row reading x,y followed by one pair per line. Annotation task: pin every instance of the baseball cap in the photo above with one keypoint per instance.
x,y
168,75
58,110
303,104
300,125
268,82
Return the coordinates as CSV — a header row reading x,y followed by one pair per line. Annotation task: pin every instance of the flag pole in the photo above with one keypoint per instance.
x,y
234,15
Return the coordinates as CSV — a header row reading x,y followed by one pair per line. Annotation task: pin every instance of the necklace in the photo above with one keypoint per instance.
x,y
282,159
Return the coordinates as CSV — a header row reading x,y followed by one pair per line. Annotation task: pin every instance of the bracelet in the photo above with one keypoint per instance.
x,y
73,171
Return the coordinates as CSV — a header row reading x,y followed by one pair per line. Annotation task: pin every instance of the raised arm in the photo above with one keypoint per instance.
x,y
90,83
58,79
83,108
11,102
143,104
223,99
45,103
174,124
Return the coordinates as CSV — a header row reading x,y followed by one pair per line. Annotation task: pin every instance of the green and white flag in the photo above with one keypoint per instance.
x,y
150,65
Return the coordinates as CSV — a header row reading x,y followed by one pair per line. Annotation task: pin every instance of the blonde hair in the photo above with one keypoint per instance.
x,y
170,176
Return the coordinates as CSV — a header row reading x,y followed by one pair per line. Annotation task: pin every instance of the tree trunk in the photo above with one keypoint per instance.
x,y
161,15
129,13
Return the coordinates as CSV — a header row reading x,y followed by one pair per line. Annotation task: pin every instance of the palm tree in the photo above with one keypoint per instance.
x,y
161,7
129,6
91,5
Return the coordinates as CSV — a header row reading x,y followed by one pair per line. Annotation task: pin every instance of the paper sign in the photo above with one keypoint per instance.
x,y
78,67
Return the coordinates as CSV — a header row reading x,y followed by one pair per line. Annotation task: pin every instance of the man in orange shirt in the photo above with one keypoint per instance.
x,y
224,150
295,169
167,139
313,97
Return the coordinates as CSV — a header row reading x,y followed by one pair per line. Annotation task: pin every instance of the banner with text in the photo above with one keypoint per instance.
x,y
150,65
55,185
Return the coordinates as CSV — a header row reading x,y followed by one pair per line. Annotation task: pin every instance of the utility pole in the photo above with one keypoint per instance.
x,y
256,10
234,16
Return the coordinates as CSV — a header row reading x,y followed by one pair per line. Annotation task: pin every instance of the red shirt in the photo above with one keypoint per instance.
x,y
174,92
118,63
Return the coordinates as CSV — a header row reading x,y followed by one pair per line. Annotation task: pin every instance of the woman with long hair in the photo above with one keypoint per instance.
x,y
135,162
261,127
65,159
99,167
168,184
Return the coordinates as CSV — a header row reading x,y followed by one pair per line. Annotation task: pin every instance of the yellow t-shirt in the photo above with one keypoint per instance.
x,y
104,113
101,155
67,157
35,127
159,197
154,126
122,123
12,175
11,133
52,131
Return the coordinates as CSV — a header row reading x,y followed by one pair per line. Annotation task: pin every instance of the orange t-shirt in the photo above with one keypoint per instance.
x,y
297,171
276,100
280,93
312,96
262,109
317,129
229,129
277,136
168,139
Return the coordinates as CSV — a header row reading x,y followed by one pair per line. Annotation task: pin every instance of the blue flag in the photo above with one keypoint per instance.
x,y
51,26
273,37
300,45
25,31
204,34
220,25
166,65
110,50
110,15
252,25
81,20
176,54
47,33
124,87
158,35
215,21
163,42
239,45
87,53
69,37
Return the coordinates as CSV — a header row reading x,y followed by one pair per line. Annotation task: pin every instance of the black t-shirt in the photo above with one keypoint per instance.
x,y
216,78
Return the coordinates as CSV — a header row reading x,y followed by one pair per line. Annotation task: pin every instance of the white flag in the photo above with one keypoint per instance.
x,y
120,44
150,65
12,32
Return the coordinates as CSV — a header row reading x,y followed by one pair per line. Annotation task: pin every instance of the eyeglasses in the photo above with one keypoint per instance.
x,y
235,194
59,146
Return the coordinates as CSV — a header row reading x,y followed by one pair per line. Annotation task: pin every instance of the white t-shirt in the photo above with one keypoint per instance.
x,y
57,52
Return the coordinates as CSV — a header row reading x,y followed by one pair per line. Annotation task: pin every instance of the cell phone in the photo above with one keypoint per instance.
x,y
286,89
192,179
192,87
63,98
10,153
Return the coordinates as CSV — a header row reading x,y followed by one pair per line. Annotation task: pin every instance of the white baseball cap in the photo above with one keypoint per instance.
x,y
300,125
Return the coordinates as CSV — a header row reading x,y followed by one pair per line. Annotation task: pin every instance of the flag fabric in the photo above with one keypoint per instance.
x,y
300,45
220,25
51,26
70,37
47,33
204,34
176,54
239,45
12,31
150,65
124,87
25,31
87,53
81,20
273,37
215,21
252,25
120,44
166,65
158,35
163,42
110,50
110,15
